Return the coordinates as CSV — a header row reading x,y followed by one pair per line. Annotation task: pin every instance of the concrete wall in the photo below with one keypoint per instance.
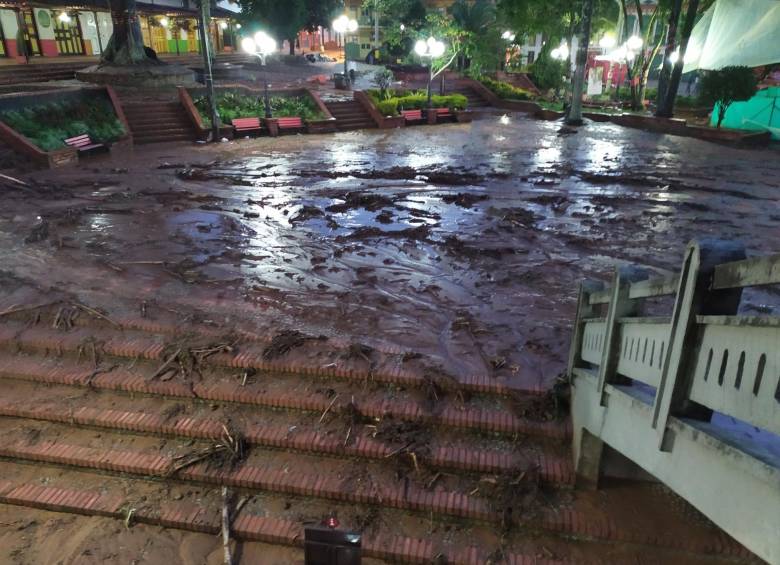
x,y
8,20
44,21
738,492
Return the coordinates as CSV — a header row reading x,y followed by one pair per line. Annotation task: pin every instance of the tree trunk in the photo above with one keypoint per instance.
x,y
126,46
671,42
574,116
666,110
291,41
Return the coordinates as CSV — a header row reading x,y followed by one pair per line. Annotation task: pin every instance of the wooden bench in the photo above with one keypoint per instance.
x,y
247,125
411,116
444,113
291,123
84,143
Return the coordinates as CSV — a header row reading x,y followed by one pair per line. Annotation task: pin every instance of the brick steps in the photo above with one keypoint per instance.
x,y
246,526
266,431
280,478
350,115
291,393
593,525
142,343
154,122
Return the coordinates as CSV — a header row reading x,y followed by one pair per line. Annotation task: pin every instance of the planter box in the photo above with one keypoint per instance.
x,y
463,116
676,126
65,156
322,126
319,126
596,117
544,114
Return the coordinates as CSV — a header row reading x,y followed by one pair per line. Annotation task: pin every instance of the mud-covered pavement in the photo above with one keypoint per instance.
x,y
461,243
406,259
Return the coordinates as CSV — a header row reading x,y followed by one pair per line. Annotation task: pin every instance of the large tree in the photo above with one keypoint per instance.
x,y
639,68
126,46
574,115
283,18
670,76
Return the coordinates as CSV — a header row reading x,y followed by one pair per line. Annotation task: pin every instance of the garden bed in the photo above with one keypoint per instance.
x,y
238,101
36,124
389,104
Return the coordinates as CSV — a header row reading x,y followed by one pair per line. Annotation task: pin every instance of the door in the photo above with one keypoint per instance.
x,y
192,36
67,34
145,33
159,39
30,33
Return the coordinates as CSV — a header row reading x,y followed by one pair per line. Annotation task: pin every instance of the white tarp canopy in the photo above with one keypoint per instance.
x,y
736,32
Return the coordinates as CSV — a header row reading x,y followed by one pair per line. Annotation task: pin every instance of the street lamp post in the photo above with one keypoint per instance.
x,y
509,37
431,48
261,45
342,25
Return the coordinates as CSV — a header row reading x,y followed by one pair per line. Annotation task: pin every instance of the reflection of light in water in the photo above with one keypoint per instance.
x,y
100,222
425,160
599,151
547,155
346,156
501,161
499,138
504,120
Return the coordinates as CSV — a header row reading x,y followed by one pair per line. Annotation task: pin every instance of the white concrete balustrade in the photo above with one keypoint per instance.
x,y
692,396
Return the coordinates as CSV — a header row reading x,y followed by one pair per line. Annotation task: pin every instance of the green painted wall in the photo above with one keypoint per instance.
x,y
183,46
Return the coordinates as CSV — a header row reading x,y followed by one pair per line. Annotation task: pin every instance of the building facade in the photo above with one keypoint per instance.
x,y
39,30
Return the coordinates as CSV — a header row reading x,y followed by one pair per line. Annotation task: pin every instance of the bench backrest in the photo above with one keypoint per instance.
x,y
79,141
412,114
292,122
443,111
246,123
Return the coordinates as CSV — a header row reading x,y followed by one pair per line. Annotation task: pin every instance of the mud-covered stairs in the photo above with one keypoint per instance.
x,y
350,115
155,122
430,469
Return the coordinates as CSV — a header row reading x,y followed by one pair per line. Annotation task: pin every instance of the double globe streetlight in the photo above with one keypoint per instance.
x,y
261,45
342,25
431,48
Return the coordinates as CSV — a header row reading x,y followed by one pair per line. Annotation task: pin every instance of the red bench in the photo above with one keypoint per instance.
x,y
292,123
84,143
412,115
247,125
443,113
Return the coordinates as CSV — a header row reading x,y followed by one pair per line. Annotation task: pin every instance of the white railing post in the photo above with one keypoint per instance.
x,y
694,297
619,306
584,310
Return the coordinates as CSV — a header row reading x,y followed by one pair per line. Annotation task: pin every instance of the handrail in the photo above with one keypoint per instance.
x,y
704,357
756,271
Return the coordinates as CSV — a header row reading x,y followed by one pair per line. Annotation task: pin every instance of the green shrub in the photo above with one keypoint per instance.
x,y
47,125
232,105
387,107
505,90
548,73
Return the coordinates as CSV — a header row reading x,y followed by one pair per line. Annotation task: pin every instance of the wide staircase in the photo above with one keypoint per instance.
x,y
140,419
20,74
43,72
155,122
476,101
350,115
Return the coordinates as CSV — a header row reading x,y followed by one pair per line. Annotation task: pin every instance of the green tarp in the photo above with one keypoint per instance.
x,y
760,113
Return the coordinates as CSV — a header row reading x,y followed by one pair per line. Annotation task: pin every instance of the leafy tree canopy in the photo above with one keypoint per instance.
x,y
726,86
